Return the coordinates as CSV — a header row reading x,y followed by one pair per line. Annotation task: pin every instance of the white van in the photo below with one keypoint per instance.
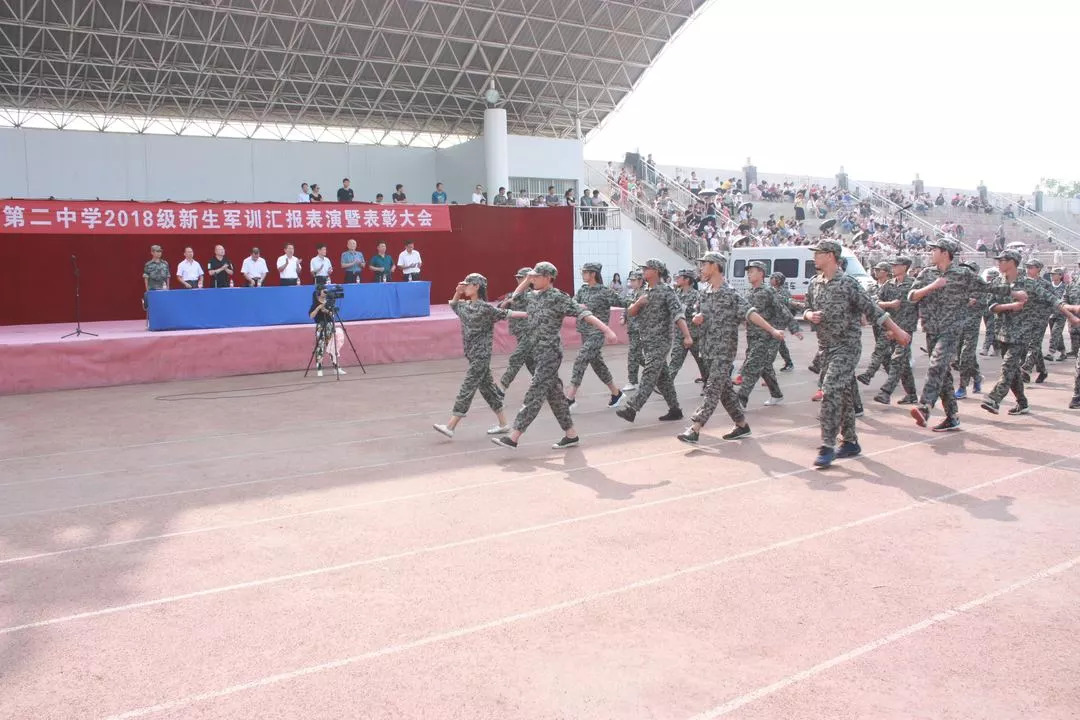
x,y
796,262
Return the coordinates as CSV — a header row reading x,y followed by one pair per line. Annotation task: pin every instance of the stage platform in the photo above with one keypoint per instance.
x,y
33,358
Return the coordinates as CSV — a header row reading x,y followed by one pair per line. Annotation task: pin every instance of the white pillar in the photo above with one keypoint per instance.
x,y
496,162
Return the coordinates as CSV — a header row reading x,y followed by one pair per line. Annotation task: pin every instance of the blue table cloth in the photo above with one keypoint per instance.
x,y
257,307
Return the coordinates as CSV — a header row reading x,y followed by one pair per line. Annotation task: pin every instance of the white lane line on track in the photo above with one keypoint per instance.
x,y
354,468
427,550
593,597
869,647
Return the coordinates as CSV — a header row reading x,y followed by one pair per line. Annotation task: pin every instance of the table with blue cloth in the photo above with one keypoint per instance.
x,y
256,307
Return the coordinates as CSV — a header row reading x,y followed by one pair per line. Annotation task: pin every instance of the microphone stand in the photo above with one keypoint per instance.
x,y
78,322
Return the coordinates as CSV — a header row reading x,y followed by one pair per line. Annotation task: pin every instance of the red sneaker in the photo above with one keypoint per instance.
x,y
816,397
737,380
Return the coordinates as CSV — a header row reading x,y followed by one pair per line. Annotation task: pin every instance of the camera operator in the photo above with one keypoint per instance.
x,y
322,312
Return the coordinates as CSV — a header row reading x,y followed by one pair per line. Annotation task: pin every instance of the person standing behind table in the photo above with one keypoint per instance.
x,y
189,272
155,274
382,264
439,196
288,267
220,269
254,268
519,327
320,266
345,193
409,262
352,262
659,308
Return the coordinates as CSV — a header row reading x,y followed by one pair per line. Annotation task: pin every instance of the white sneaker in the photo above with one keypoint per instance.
x,y
442,429
340,371
318,373
774,401
498,430
629,387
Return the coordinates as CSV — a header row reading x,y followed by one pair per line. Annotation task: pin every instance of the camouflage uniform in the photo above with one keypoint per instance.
x,y
1044,310
762,347
907,317
1057,321
1072,297
785,297
723,309
967,355
843,303
546,311
689,299
883,346
522,354
657,318
989,320
1011,341
477,322
635,354
599,299
156,273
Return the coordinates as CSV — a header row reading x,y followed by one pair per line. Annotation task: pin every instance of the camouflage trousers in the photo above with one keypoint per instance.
x,y
785,353
545,385
678,357
967,355
1057,333
478,377
1074,339
655,376
719,390
1076,379
900,371
634,357
522,355
838,382
1034,355
882,352
1012,354
761,354
939,379
989,321
590,355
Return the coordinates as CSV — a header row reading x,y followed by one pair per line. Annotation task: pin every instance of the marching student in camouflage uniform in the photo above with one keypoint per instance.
x,y
942,291
685,281
1072,297
478,320
1035,359
967,359
522,354
634,355
989,318
762,345
546,306
659,308
883,346
894,300
720,311
594,295
1057,321
779,283
1011,335
836,305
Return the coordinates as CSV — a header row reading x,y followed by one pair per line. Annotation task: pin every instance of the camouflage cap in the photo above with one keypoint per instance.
x,y
713,257
992,273
1057,271
970,266
946,244
545,268
829,246
1034,262
523,272
778,276
593,267
883,266
155,248
757,264
655,264
687,273
634,275
1013,255
474,279
902,260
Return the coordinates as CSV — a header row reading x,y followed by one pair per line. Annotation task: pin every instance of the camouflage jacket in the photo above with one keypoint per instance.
x,y
1072,293
772,308
599,299
689,299
1041,304
477,323
724,310
633,324
546,311
517,326
785,296
659,314
946,310
157,272
907,315
843,303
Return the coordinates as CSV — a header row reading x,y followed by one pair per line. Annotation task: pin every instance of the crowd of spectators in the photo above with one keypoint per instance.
x,y
310,193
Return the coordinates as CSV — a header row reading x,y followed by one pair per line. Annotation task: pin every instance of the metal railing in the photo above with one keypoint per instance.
x,y
910,219
597,218
1036,219
681,195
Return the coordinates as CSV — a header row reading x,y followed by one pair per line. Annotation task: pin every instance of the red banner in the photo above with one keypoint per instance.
x,y
54,217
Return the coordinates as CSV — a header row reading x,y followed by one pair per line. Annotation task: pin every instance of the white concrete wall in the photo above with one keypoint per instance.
x,y
547,158
461,168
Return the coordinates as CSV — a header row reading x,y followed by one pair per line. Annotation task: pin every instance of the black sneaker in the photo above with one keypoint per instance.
x,y
699,380
1041,377
882,397
566,442
990,406
739,432
1075,403
570,403
672,414
1060,357
615,400
947,425
788,367
848,449
907,400
921,413
689,435
1048,356
813,368
863,378
1019,409
505,441
628,414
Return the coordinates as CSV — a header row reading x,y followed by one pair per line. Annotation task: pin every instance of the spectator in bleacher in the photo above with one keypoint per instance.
x,y
316,194
568,198
616,279
305,194
382,264
189,272
220,269
551,199
345,193
523,198
352,262
320,265
399,194
478,195
409,262
502,198
585,203
254,268
510,201
379,199
439,196
288,266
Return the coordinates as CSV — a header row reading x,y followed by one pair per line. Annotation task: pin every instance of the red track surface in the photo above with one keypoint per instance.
x,y
268,547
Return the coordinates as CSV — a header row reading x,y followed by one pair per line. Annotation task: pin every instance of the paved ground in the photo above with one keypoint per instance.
x,y
270,547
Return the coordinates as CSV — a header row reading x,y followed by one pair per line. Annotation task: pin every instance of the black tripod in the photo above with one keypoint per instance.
x,y
78,323
335,323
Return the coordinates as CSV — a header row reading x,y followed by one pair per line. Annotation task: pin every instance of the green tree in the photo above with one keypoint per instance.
x,y
1061,188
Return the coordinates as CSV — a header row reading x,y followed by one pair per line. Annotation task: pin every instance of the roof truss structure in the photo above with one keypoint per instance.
x,y
397,69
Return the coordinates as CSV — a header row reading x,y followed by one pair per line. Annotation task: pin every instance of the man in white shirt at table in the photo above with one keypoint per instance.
x,y
288,267
409,262
254,268
321,267
189,272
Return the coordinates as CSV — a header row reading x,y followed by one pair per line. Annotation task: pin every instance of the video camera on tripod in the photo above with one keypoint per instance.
x,y
333,294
